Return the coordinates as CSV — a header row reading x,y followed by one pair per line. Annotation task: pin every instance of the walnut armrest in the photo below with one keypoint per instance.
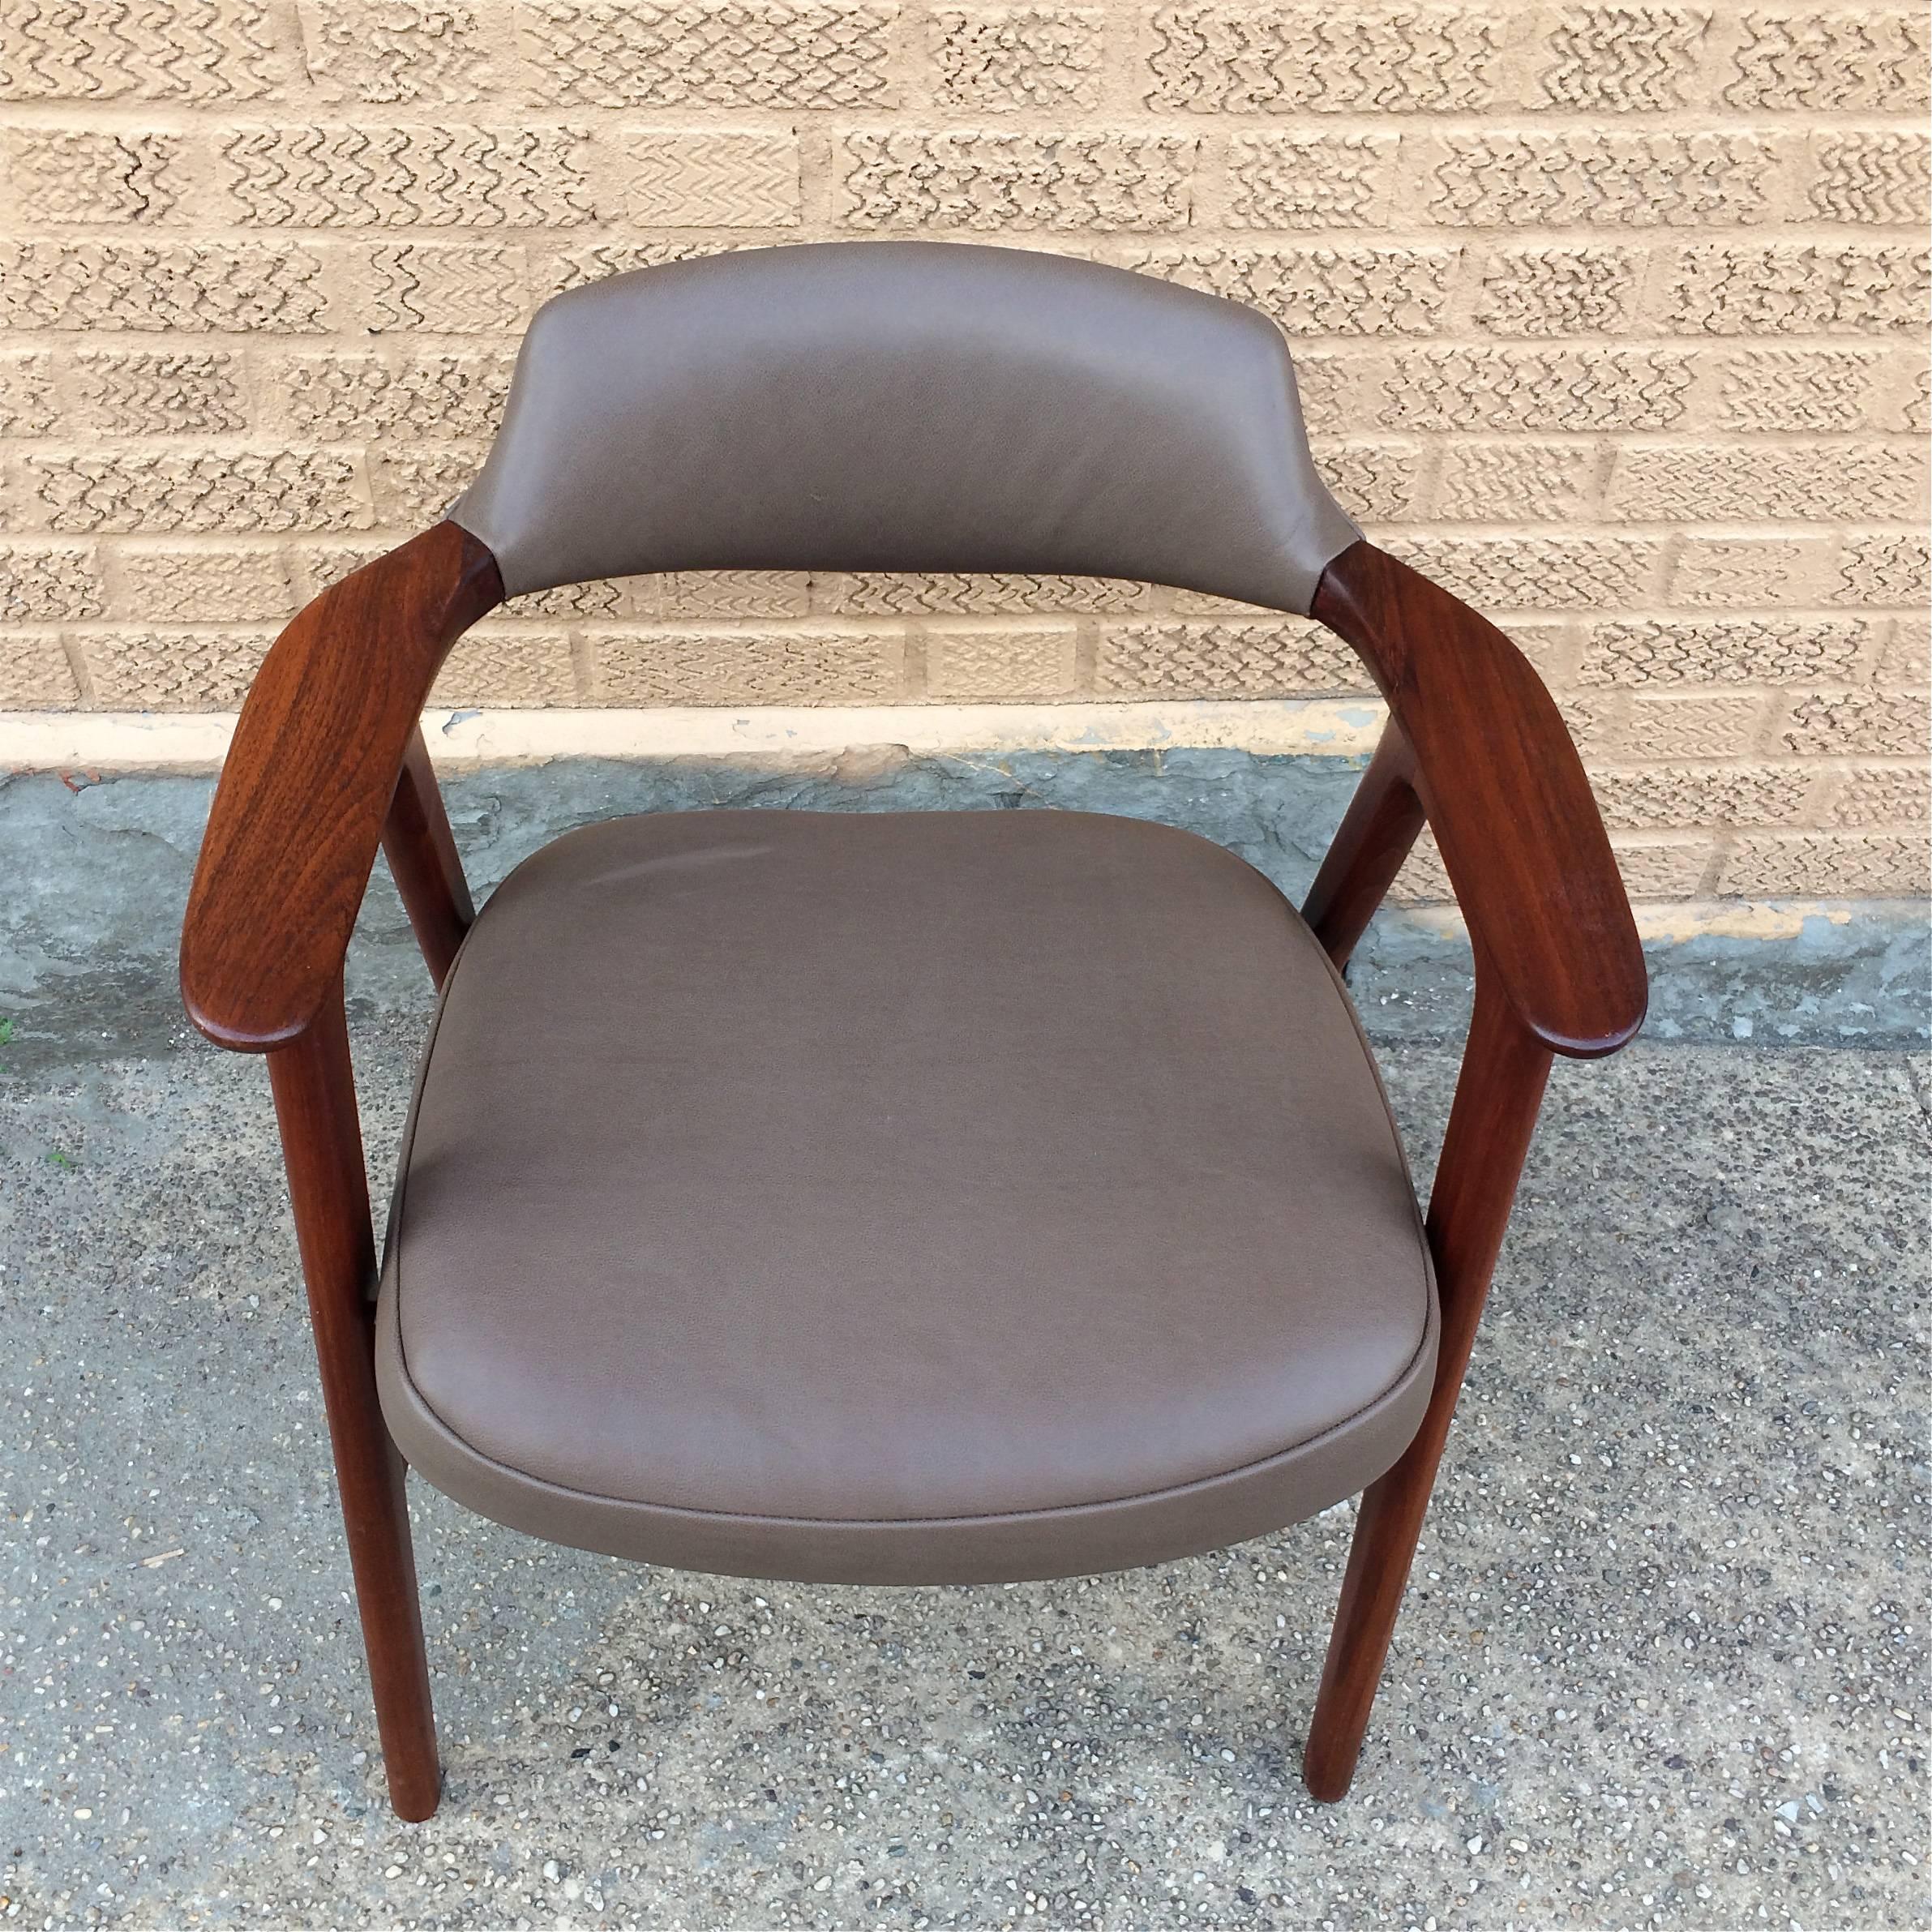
x,y
1503,789
307,784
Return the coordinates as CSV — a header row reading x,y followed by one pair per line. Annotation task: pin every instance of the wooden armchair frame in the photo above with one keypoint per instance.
x,y
328,761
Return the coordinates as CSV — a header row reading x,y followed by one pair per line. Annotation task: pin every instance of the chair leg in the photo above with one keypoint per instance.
x,y
322,1140
422,851
1387,1523
1497,1093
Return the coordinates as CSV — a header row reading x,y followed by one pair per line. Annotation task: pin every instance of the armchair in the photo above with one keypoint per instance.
x,y
898,1198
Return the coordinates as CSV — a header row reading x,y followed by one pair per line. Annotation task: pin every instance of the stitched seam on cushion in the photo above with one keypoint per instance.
x,y
1175,1492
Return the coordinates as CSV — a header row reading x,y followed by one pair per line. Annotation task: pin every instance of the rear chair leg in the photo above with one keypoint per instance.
x,y
1497,1093
322,1140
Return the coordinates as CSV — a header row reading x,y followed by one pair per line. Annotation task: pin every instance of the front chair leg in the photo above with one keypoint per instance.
x,y
1497,1093
321,1140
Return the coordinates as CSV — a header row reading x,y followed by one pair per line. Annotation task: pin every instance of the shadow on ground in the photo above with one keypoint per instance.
x,y
97,872
1660,1665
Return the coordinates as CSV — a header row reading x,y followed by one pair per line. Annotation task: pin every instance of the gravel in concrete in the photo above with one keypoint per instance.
x,y
1662,1663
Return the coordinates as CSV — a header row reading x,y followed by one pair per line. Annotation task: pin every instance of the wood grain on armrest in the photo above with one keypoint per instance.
x,y
308,781
1504,793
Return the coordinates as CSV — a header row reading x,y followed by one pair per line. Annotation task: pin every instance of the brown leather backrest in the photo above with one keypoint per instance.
x,y
904,405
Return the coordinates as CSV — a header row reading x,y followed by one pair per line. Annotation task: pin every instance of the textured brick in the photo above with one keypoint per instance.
x,y
175,584
1402,59
990,180
1499,483
505,666
1821,866
321,564
138,50
140,392
748,667
1000,664
1536,573
1690,797
600,597
386,52
287,490
1308,180
1482,225
728,593
1908,658
1642,180
1353,291
318,565
27,400
1865,59
1843,723
745,54
1541,389
1692,726
1372,481
1623,59
354,398
88,174
1883,178
1652,868
1274,658
224,287
879,594
1200,603
699,180
595,261
417,177
1594,722
994,59
35,674
1766,482
415,489
1820,390
1883,795
1740,573
1333,390
1664,868
1791,288
1884,567
1914,408
1557,291
451,287
174,671
41,582
1745,650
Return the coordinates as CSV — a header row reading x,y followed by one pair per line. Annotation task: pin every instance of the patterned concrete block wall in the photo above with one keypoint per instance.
x,y
1613,316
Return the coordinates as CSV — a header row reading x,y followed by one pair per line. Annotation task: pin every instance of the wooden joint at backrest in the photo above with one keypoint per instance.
x,y
326,761
1482,750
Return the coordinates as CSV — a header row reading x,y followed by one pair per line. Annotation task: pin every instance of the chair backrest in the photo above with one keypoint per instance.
x,y
906,405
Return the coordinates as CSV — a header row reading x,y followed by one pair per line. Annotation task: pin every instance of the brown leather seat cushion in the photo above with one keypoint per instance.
x,y
899,1197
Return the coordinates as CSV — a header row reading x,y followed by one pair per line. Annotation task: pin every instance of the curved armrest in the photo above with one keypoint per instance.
x,y
307,781
1505,792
